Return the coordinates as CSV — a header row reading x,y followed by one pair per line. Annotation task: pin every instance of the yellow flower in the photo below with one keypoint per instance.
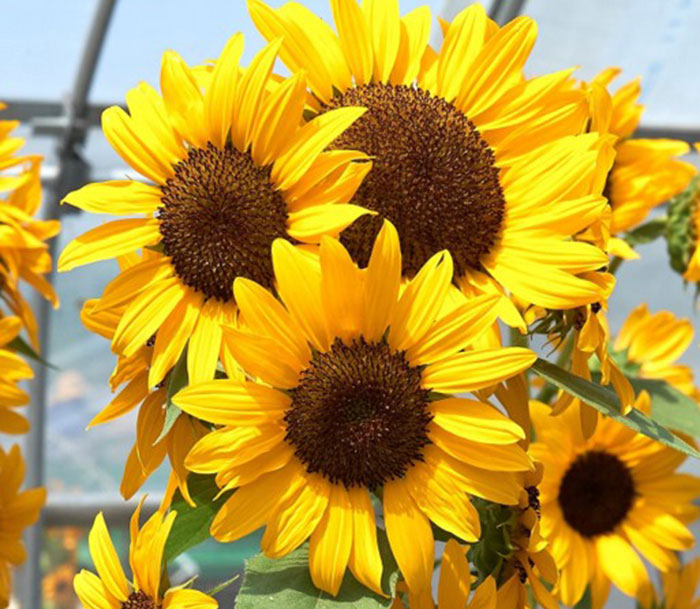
x,y
680,586
646,172
607,499
692,273
652,344
454,586
110,589
18,510
12,370
469,156
146,455
233,170
352,398
23,252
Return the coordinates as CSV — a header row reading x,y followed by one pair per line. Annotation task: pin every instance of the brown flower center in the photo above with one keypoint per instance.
x,y
219,217
596,493
433,176
138,600
359,415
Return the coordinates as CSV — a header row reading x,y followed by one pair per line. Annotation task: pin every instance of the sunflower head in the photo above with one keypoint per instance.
x,y
110,588
350,376
609,500
14,370
468,154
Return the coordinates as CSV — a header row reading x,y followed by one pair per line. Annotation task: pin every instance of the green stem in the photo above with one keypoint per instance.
x,y
615,265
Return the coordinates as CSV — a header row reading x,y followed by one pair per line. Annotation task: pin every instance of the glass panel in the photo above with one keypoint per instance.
x,y
651,39
41,45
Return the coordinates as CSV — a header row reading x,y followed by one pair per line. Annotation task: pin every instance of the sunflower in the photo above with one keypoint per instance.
x,y
57,586
469,156
646,172
679,586
12,370
690,253
455,585
24,255
650,345
18,510
352,398
607,499
150,449
233,170
110,589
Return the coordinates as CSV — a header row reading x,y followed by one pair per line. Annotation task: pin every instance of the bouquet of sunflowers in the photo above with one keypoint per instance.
x,y
362,306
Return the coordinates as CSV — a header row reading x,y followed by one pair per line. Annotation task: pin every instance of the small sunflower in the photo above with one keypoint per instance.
x,y
234,170
606,500
680,586
650,345
149,450
24,254
455,585
646,172
110,589
353,397
684,235
468,155
12,370
18,510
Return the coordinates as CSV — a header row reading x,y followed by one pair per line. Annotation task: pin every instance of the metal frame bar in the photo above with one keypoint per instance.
x,y
72,173
503,11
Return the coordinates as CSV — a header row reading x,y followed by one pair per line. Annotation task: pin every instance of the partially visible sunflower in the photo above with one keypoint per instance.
x,y
24,254
110,589
146,455
455,585
469,155
650,345
607,499
352,397
12,370
234,170
646,172
688,212
57,586
680,586
18,510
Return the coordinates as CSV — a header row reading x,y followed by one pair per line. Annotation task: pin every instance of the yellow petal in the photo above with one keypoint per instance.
x,y
109,241
205,343
183,99
120,197
455,578
474,370
355,39
93,593
365,562
384,25
187,598
310,224
106,560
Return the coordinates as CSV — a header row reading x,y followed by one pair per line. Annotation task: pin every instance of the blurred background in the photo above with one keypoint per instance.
x,y
63,62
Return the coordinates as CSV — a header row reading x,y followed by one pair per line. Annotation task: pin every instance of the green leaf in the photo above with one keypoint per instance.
x,y
606,401
178,380
646,233
191,527
22,347
287,583
670,407
586,601
223,585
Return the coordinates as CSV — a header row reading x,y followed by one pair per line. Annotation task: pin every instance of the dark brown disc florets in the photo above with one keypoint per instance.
x,y
219,217
359,415
138,600
596,493
433,176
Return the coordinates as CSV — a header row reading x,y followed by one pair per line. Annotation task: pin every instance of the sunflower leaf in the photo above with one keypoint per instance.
x,y
646,233
191,527
605,401
287,583
670,407
22,347
178,380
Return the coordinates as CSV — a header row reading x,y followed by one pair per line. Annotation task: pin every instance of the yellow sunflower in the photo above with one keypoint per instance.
x,y
455,585
469,155
608,499
679,586
12,370
646,172
651,344
234,170
146,454
24,254
18,510
353,397
110,589
692,271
